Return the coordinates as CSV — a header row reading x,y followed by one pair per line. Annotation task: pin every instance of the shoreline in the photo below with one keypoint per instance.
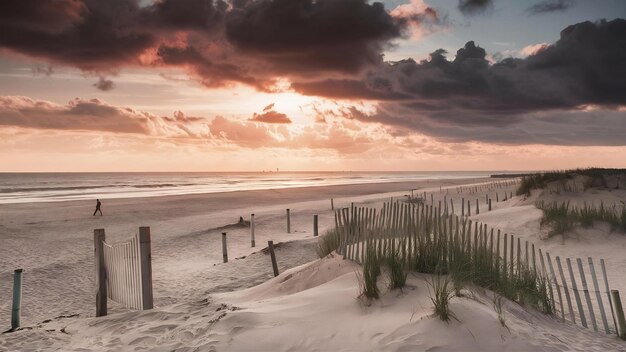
x,y
49,190
341,190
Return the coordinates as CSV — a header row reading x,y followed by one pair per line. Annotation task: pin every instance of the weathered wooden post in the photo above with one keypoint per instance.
x,y
101,278
253,244
332,204
315,228
17,299
619,312
224,248
462,206
270,247
288,221
145,255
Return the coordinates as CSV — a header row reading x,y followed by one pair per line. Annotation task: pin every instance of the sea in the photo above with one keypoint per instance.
x,y
47,187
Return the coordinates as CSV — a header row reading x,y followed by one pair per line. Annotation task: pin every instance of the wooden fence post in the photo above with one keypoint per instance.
x,y
17,299
145,255
619,311
253,244
101,274
608,293
288,221
596,287
583,281
462,206
315,227
270,247
566,290
579,305
556,284
224,248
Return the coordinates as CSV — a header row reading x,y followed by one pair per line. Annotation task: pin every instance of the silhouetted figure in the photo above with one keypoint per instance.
x,y
97,208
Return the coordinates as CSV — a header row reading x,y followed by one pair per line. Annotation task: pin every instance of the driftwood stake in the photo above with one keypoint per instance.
x,y
101,280
17,299
224,248
619,312
252,241
270,247
145,255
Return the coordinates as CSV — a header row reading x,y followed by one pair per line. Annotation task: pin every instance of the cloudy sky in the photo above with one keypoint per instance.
x,y
212,85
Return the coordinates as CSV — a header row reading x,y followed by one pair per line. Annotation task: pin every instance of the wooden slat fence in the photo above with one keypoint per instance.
x,y
123,271
578,288
123,268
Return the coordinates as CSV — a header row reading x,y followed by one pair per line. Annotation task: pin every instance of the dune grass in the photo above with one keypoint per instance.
x,y
596,177
562,218
397,270
327,243
440,294
371,272
449,247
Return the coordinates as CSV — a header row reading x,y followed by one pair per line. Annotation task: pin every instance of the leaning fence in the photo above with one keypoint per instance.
x,y
123,271
578,289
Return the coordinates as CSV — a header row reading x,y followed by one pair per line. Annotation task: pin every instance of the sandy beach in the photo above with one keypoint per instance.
x,y
53,242
206,305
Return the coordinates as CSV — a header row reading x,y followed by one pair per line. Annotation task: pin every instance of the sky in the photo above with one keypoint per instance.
x,y
311,85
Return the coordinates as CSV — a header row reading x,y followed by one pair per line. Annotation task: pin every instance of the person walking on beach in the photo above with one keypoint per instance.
x,y
97,208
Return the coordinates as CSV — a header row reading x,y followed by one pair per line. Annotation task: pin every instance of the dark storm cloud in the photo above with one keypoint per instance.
x,y
88,34
211,74
569,128
550,6
473,7
185,14
248,42
104,84
585,66
470,98
349,89
309,35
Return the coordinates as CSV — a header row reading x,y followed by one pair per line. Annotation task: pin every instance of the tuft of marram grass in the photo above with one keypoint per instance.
x,y
498,305
563,218
442,292
397,270
327,243
371,272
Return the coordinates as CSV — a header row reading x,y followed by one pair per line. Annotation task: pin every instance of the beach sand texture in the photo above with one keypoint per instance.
x,y
203,304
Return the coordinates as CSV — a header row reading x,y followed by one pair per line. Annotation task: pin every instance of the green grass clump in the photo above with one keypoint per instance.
x,y
441,294
371,272
397,270
595,177
563,218
455,250
327,243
